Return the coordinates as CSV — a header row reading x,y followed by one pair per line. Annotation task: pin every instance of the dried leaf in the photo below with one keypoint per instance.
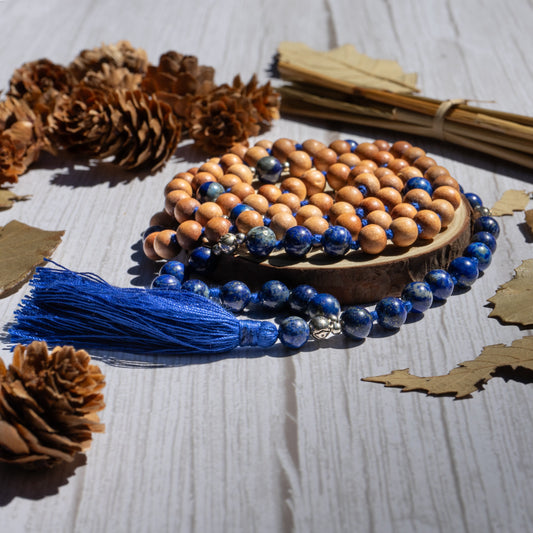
x,y
511,200
22,248
8,198
469,376
529,219
512,301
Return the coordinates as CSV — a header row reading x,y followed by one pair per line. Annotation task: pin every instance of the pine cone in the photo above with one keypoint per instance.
x,y
48,405
265,99
109,78
120,55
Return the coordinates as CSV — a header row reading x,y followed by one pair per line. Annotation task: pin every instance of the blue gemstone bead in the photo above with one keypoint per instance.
x,y
419,183
201,259
419,294
440,283
486,238
209,191
356,322
336,241
235,296
353,144
474,200
167,282
300,297
391,312
260,241
324,304
269,169
298,241
293,332
237,210
174,268
197,286
273,294
488,224
464,270
481,252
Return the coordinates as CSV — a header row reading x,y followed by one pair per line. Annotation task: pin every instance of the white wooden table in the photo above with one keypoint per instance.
x,y
274,440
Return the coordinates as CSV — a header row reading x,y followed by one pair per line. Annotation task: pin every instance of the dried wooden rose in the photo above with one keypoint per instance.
x,y
48,405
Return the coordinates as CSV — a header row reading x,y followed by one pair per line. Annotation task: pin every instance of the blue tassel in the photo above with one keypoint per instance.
x,y
83,310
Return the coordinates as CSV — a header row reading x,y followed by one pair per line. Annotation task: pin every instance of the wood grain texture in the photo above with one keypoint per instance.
x,y
284,441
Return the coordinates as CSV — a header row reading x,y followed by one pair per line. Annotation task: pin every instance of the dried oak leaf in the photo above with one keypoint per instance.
x,y
8,198
469,376
22,248
513,300
510,201
48,405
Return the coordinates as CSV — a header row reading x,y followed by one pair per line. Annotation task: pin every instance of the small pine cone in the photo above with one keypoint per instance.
x,y
265,99
109,78
119,55
48,405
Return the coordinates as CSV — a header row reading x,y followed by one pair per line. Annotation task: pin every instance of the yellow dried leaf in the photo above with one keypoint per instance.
x,y
513,300
8,198
469,376
529,219
511,200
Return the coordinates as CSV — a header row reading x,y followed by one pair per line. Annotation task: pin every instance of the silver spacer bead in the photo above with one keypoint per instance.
x,y
335,327
228,244
216,249
240,238
319,327
482,210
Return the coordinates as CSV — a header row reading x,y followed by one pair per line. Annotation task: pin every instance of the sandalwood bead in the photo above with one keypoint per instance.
x,y
316,225
193,171
397,164
424,162
366,150
383,158
265,143
324,158
148,247
429,223
282,148
242,190
338,208
403,210
216,228
270,192
391,180
290,200
312,146
389,196
187,176
229,180
372,239
248,220
406,173
349,194
340,146
254,154
381,218
212,168
281,222
413,153
322,200
185,209
165,244
162,218
229,159
383,171
351,222
239,149
444,209
370,163
448,193
360,168
172,198
382,144
399,147
418,196
296,186
188,234
275,209
371,203
257,202
243,171
299,162
404,231
314,181
227,201
445,180
369,181
200,178
432,173
307,211
179,184
207,211
349,158
337,175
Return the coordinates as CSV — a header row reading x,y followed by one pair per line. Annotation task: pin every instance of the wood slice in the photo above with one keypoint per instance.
x,y
357,278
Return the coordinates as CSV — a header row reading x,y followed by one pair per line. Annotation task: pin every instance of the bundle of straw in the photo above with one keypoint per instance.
x,y
350,87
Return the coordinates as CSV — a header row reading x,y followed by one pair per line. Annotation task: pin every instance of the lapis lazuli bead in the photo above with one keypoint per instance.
x,y
298,241
201,259
237,210
353,144
269,169
474,200
419,183
440,282
464,270
391,312
336,241
235,296
174,268
293,332
260,241
481,252
300,297
167,282
197,287
488,224
356,322
209,191
324,304
273,294
419,294
486,238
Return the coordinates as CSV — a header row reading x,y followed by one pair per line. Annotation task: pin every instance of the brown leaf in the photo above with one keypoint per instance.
x,y
512,301
469,376
511,200
8,198
22,248
529,219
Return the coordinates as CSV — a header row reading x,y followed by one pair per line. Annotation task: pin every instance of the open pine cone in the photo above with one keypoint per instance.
x,y
48,405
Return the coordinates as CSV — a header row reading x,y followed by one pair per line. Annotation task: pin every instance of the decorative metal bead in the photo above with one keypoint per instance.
x,y
240,238
228,243
216,250
319,327
482,211
335,327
